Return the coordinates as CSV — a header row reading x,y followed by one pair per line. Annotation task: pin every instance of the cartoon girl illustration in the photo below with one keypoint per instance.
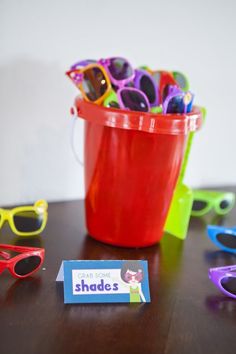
x,y
132,273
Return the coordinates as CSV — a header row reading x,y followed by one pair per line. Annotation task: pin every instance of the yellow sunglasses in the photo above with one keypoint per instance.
x,y
92,81
26,220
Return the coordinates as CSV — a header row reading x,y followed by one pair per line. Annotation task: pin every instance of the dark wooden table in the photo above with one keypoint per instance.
x,y
187,314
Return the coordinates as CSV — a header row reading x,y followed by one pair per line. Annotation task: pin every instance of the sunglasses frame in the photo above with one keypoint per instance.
x,y
214,230
40,206
165,78
213,200
79,79
138,276
174,91
80,64
132,89
178,73
119,83
218,273
137,79
112,97
25,252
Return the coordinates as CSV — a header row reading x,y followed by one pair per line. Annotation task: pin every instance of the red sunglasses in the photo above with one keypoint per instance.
x,y
24,264
137,276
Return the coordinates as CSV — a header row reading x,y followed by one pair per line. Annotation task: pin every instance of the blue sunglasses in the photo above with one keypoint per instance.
x,y
223,237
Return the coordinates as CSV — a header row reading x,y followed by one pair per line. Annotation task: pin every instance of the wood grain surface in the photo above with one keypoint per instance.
x,y
187,313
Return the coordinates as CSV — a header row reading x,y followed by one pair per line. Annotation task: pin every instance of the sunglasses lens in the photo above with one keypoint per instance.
x,y
27,265
227,240
229,284
199,205
28,221
224,204
181,81
120,69
94,83
113,104
134,101
146,85
176,105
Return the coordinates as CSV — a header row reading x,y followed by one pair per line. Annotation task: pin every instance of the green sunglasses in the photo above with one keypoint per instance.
x,y
204,201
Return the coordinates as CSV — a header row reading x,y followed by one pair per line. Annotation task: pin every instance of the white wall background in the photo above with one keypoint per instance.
x,y
39,40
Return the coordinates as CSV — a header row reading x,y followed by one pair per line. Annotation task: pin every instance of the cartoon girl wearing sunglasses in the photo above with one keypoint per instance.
x,y
132,273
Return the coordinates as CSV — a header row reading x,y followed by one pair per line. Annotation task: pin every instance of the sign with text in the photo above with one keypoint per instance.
x,y
105,281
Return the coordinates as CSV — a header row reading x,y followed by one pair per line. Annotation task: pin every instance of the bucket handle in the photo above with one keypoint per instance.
x,y
72,136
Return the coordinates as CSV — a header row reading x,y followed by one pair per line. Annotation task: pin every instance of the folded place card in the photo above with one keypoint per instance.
x,y
105,281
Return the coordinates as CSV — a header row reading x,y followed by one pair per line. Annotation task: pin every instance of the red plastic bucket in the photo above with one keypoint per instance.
x,y
132,162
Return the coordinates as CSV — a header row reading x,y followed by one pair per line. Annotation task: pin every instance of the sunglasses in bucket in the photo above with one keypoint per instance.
x,y
95,83
177,101
27,262
225,279
163,79
204,201
136,89
119,70
95,79
131,98
26,220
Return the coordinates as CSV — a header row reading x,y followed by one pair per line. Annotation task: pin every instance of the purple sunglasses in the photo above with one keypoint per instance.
x,y
225,279
177,101
143,81
133,99
119,70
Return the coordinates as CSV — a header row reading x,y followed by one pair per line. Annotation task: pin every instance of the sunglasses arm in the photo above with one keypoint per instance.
x,y
41,204
5,255
20,249
223,269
